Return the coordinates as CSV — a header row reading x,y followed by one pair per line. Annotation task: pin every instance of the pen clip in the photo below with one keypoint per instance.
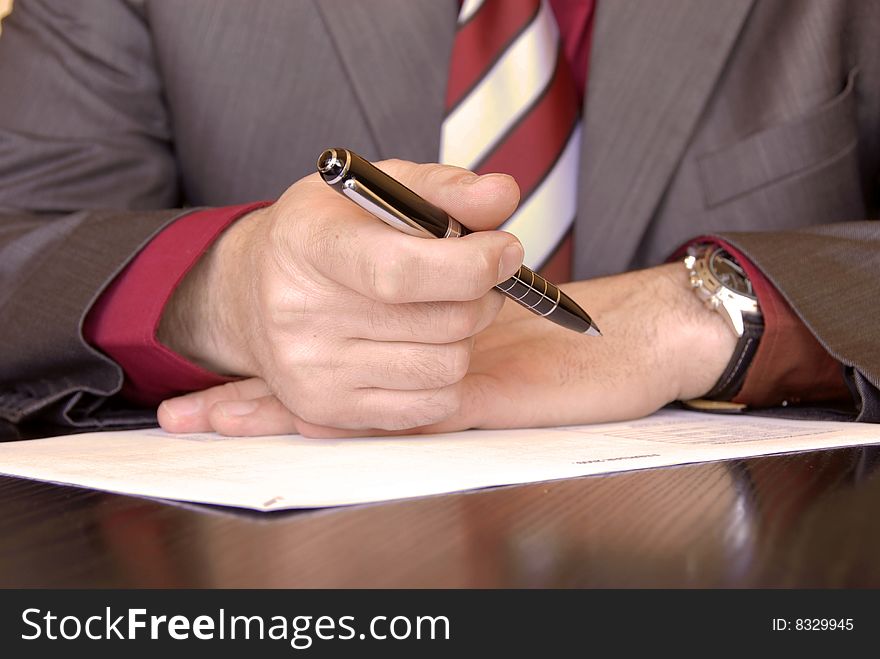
x,y
372,203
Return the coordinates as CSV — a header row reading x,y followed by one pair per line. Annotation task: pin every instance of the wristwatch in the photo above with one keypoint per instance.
x,y
723,286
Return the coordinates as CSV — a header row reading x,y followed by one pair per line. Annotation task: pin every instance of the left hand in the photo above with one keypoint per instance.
x,y
659,344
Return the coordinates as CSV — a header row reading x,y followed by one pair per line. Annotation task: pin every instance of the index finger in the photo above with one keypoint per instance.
x,y
392,267
354,248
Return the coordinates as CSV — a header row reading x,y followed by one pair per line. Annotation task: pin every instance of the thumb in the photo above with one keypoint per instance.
x,y
480,203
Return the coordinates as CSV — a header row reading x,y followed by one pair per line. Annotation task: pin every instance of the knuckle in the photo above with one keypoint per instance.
x,y
485,272
412,367
462,321
364,411
475,274
436,406
455,363
377,319
301,373
454,399
296,358
402,420
425,408
439,365
279,299
386,278
321,244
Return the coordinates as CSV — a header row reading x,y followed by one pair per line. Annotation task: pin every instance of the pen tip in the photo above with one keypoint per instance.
x,y
593,331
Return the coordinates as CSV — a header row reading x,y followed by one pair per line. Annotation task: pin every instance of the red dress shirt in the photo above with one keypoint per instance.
x,y
789,364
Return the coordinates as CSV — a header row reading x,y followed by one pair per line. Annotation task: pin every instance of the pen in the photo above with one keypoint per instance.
x,y
401,208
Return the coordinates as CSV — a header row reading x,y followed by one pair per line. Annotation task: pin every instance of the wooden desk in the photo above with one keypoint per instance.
x,y
805,520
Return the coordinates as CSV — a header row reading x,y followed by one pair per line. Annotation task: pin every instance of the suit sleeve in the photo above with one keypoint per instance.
x,y
87,178
830,277
123,323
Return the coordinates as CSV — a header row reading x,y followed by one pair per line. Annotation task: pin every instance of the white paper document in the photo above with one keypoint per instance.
x,y
274,473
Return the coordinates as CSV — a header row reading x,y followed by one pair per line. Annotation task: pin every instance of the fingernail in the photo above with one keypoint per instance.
x,y
488,177
511,260
179,407
238,407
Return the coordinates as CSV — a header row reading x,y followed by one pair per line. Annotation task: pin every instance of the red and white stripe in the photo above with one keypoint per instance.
x,y
511,107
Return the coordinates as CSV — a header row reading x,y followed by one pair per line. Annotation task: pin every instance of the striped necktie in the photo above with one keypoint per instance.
x,y
511,107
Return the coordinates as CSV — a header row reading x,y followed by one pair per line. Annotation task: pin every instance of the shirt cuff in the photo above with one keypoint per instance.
x,y
123,321
790,366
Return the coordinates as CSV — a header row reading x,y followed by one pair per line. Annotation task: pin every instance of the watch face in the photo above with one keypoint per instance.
x,y
729,273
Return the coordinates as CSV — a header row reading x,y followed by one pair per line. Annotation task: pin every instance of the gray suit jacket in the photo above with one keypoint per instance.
x,y
758,119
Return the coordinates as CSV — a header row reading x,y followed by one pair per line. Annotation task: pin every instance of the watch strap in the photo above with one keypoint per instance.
x,y
731,380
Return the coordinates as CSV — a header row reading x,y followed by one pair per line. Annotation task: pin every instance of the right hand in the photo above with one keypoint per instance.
x,y
351,323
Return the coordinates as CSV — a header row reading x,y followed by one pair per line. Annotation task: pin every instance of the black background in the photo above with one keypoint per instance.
x,y
511,621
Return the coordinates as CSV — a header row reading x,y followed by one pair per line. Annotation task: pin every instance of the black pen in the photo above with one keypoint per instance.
x,y
398,206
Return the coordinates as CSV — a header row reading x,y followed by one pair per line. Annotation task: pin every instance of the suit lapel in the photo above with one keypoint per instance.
x,y
653,66
400,79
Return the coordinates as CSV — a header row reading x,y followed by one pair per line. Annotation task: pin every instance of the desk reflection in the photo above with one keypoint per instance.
x,y
805,519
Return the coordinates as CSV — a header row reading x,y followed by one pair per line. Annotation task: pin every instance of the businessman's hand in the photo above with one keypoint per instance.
x,y
660,344
348,322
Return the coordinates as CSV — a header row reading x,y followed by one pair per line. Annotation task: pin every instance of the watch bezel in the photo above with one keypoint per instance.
x,y
716,295
720,256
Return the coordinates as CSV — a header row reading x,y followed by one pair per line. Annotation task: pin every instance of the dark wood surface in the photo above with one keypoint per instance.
x,y
803,520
